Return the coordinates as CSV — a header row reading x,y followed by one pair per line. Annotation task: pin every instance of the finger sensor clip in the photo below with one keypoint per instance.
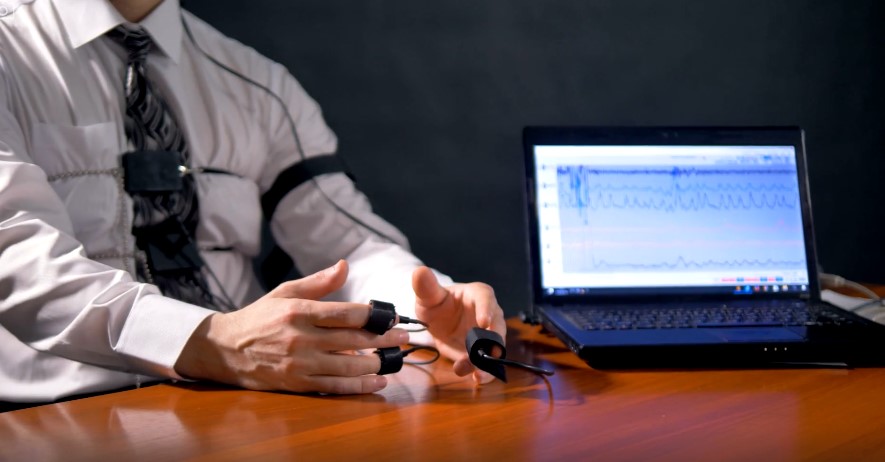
x,y
383,317
391,360
482,343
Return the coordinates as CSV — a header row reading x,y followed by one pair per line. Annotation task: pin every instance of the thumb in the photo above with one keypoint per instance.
x,y
315,286
428,292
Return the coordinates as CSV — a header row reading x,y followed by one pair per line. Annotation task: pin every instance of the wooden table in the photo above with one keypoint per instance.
x,y
427,413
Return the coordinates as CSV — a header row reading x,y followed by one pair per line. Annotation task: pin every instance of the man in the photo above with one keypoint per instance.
x,y
78,238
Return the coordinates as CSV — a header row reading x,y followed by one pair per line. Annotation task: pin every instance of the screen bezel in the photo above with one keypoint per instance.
x,y
664,136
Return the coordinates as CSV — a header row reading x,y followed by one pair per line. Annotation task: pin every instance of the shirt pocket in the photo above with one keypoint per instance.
x,y
66,149
79,162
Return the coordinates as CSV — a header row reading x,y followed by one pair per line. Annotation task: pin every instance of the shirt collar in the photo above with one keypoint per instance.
x,y
86,20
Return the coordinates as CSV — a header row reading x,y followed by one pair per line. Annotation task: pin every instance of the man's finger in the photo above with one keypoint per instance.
x,y
347,385
482,377
314,286
485,307
489,315
463,366
348,365
356,339
336,314
428,292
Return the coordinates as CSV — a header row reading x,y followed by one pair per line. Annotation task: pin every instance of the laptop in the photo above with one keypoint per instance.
x,y
682,247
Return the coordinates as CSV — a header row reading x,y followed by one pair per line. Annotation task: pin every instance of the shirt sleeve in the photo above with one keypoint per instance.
x,y
55,299
319,222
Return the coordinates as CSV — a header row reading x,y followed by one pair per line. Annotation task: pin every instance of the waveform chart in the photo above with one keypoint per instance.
x,y
671,218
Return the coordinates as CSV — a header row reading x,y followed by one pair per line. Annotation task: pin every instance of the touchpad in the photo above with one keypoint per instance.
x,y
753,334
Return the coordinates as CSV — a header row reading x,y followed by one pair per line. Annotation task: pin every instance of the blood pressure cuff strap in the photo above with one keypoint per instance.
x,y
277,266
298,174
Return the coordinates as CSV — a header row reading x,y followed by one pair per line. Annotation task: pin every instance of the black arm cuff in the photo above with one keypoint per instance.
x,y
297,175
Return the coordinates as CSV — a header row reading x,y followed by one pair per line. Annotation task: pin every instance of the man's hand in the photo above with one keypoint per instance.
x,y
289,341
452,311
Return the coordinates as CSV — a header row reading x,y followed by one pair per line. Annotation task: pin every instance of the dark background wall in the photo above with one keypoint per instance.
x,y
429,97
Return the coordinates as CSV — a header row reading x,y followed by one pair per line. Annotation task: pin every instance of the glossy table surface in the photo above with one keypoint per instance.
x,y
428,413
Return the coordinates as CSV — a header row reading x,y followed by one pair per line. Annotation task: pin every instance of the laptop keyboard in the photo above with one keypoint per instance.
x,y
698,315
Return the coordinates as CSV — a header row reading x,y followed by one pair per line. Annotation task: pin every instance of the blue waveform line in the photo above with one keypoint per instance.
x,y
674,172
673,202
684,263
577,190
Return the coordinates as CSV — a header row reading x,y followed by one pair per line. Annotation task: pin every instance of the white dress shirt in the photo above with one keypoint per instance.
x,y
72,317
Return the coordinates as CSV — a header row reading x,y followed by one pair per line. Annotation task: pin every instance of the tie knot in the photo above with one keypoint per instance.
x,y
136,41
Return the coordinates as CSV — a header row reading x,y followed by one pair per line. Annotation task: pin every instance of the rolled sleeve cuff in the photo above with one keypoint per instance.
x,y
155,333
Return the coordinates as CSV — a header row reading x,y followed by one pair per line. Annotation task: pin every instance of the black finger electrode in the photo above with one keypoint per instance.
x,y
481,344
382,317
391,360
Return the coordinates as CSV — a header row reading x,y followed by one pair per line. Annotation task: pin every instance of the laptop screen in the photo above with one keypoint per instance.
x,y
692,219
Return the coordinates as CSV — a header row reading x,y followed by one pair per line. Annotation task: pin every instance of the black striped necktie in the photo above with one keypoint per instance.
x,y
151,126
